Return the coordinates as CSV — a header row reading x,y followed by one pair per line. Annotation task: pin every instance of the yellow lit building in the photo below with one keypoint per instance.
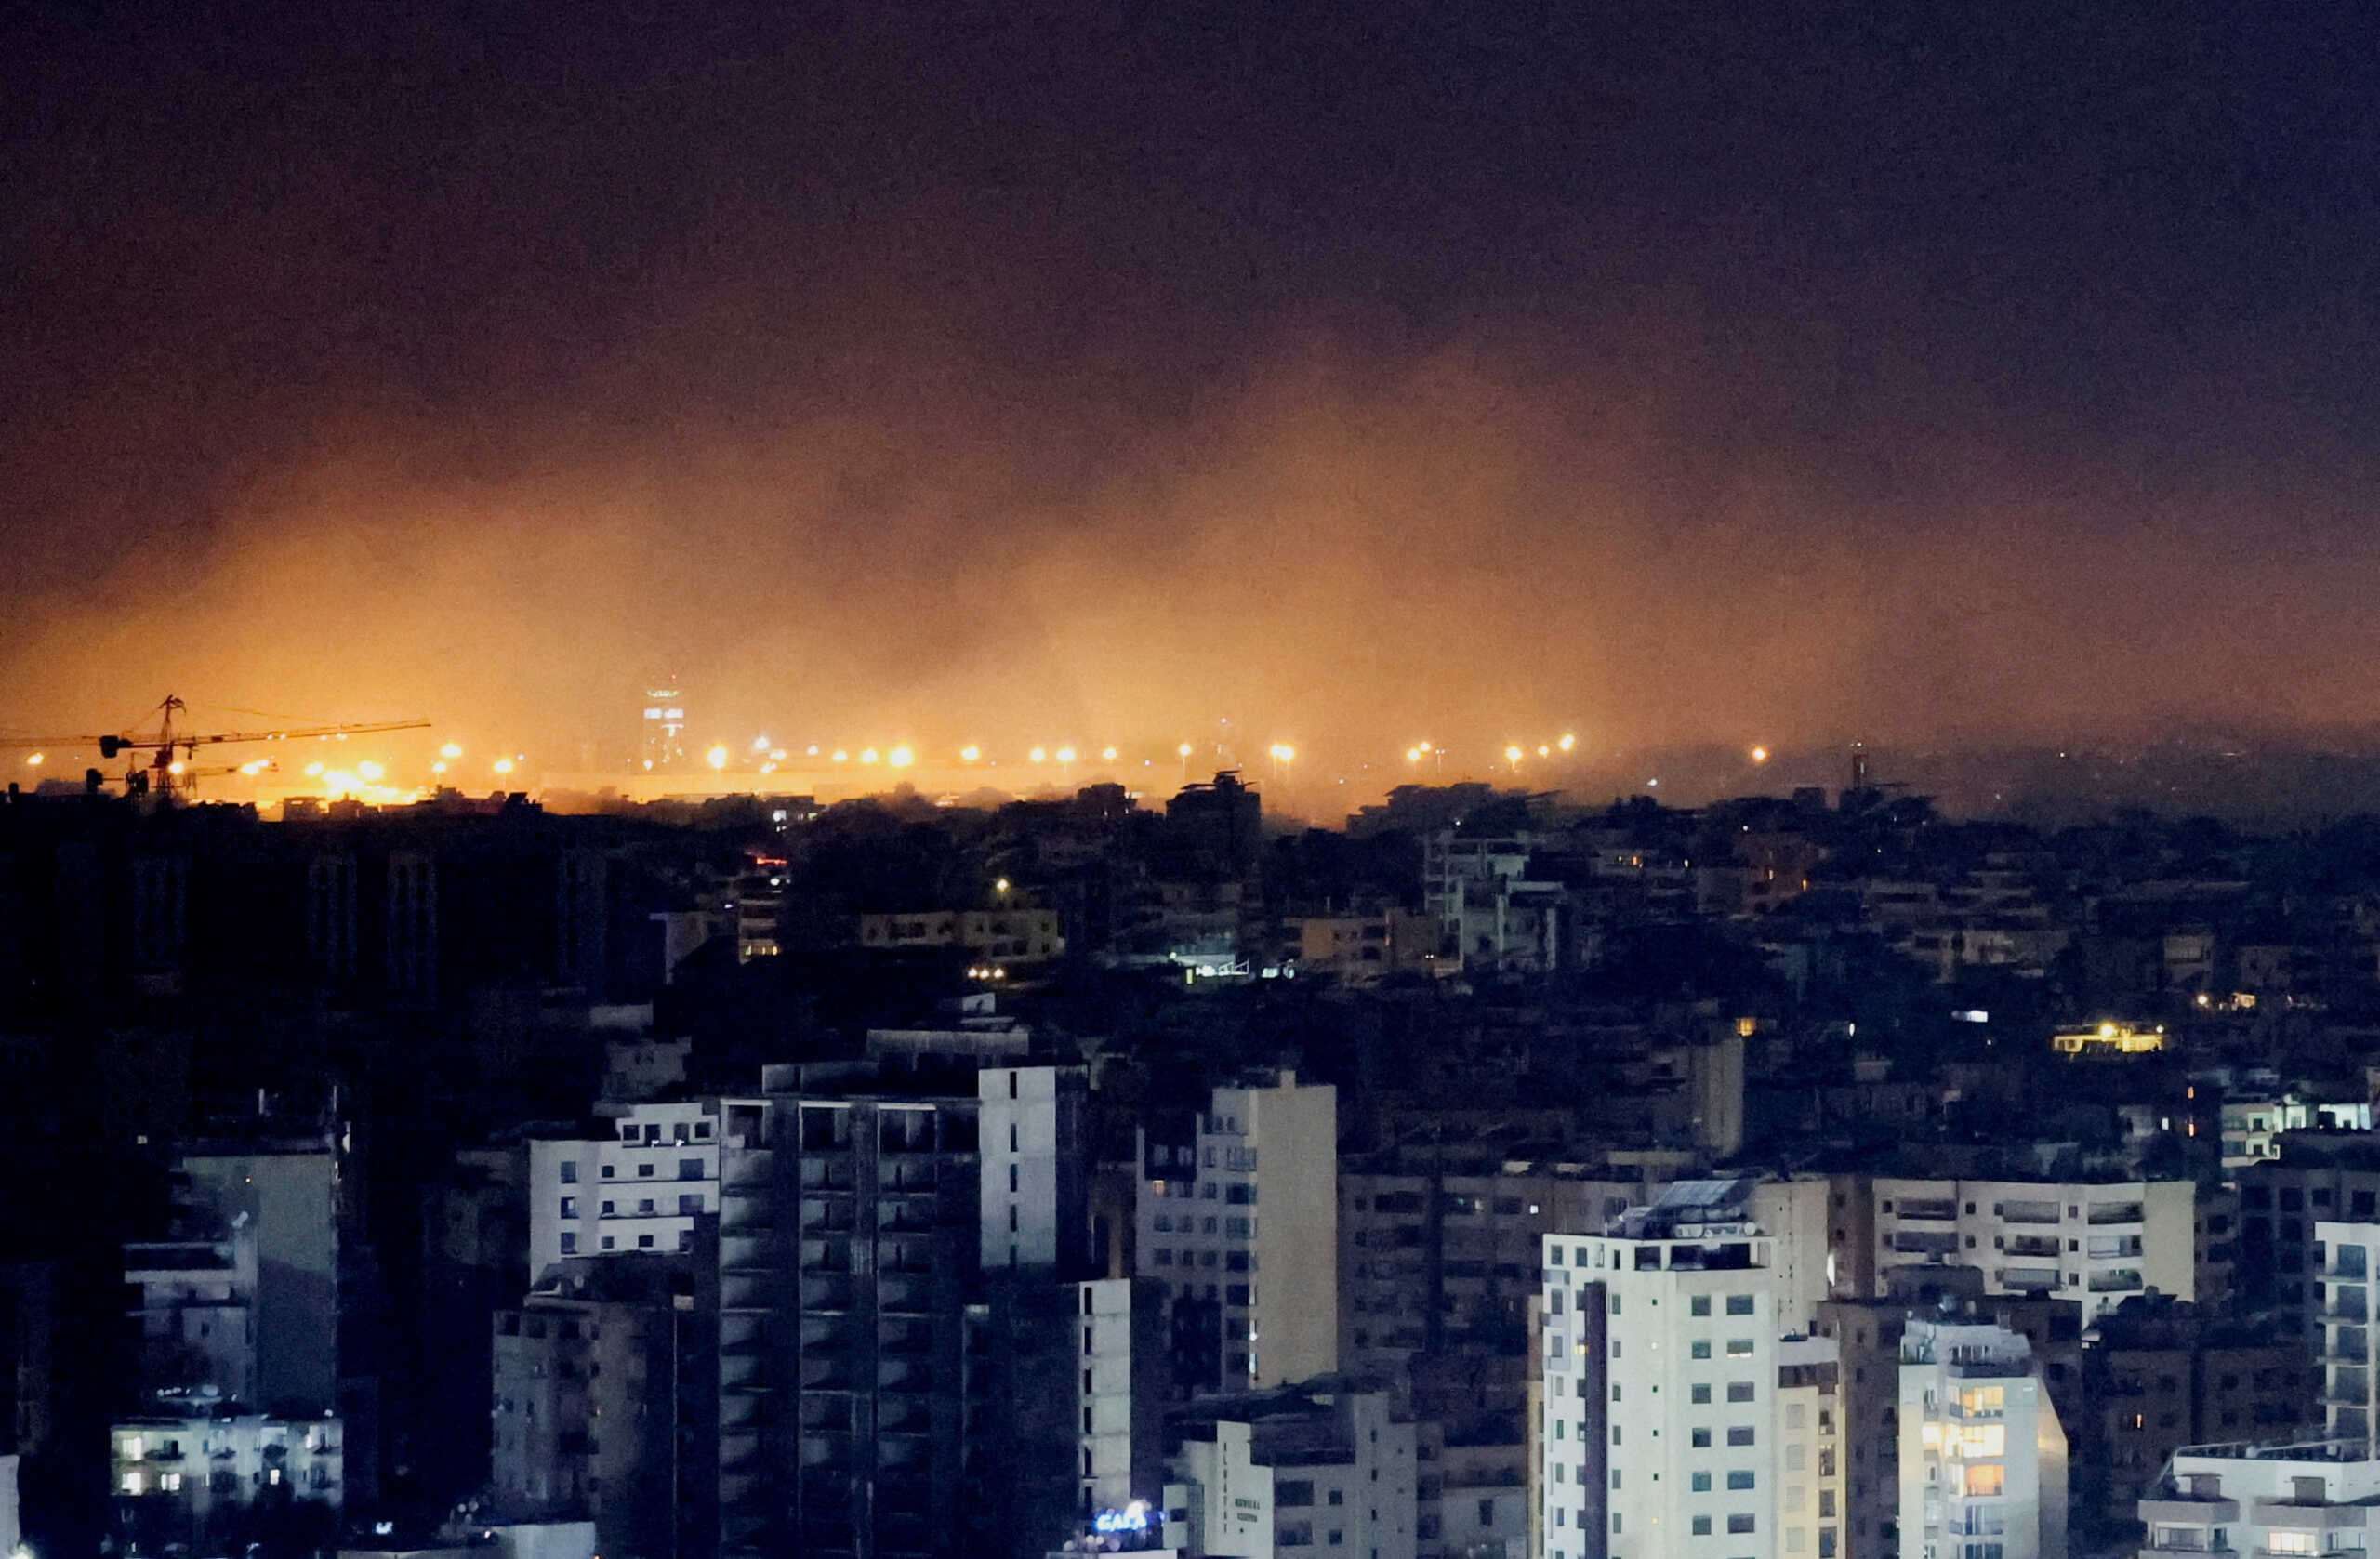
x,y
1014,934
2108,1038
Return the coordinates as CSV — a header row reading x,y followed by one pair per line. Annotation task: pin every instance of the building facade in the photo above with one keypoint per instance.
x,y
1661,1428
639,1190
1239,1226
1983,1466
2095,1243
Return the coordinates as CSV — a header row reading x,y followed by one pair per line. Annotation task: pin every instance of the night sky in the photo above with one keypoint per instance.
x,y
1074,371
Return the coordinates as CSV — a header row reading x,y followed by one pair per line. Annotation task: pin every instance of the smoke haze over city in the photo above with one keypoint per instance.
x,y
1087,374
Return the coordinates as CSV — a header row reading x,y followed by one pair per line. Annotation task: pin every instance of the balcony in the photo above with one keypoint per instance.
x,y
904,1218
826,1255
2324,1518
828,1176
904,1256
747,1215
743,1374
2348,1301
1935,1210
903,1375
2102,1214
741,1337
2026,1212
2348,1344
748,1172
2122,1281
1925,1242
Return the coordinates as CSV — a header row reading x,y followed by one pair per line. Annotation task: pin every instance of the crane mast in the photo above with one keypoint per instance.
x,y
171,767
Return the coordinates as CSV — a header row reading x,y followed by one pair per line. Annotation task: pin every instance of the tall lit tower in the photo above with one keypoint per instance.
x,y
663,728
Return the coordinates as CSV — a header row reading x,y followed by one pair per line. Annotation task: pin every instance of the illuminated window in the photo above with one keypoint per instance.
x,y
133,1482
1983,1478
1981,1440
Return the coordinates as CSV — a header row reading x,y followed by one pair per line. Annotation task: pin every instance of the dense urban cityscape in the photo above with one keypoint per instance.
x,y
1495,1175
1204,779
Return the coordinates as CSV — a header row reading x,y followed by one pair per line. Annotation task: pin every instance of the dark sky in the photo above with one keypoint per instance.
x,y
1071,371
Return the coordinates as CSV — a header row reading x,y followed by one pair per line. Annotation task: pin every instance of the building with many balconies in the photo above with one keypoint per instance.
x,y
2095,1243
2269,1500
210,1481
912,1357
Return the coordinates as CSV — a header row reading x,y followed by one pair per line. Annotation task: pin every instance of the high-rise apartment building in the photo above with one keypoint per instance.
x,y
1982,1452
661,739
2316,1496
594,1377
1239,1225
911,1358
1678,1417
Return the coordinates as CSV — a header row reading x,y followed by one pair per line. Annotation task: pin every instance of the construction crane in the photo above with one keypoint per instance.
x,y
171,767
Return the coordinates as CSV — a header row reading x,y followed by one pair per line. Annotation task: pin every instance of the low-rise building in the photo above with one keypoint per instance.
x,y
2313,1497
1009,934
1327,1465
208,1481
638,1190
1363,949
